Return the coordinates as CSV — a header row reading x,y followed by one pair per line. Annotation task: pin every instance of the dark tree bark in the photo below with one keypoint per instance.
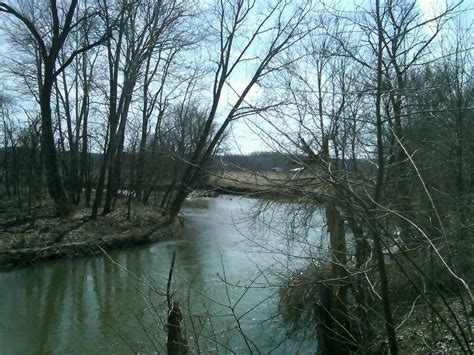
x,y
339,338
387,307
55,184
49,53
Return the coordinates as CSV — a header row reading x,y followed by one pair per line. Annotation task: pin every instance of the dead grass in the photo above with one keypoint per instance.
x,y
29,236
265,181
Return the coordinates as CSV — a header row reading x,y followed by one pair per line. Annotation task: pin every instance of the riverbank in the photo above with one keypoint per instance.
x,y
263,182
429,323
29,237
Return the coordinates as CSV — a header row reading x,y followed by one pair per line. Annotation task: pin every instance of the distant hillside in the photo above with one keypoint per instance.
x,y
268,161
263,161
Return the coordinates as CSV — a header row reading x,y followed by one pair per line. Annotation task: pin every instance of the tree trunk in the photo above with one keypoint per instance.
x,y
338,332
55,186
389,326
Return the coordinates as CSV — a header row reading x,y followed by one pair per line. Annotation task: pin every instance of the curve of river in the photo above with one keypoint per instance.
x,y
115,303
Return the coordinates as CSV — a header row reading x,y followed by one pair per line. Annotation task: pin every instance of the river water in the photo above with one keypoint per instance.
x,y
226,279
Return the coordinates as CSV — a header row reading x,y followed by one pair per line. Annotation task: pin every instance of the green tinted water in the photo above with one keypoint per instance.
x,y
96,305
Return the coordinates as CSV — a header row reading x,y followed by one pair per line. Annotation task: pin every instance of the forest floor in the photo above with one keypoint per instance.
x,y
445,327
28,236
422,332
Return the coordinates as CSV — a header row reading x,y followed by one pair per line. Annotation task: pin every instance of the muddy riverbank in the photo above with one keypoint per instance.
x,y
36,235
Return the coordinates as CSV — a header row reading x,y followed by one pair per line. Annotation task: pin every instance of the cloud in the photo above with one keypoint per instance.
x,y
431,8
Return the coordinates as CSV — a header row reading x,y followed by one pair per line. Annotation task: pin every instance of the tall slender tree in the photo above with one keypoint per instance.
x,y
62,24
280,27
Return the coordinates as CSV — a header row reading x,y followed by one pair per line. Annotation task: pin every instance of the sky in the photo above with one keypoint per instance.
x,y
242,138
245,138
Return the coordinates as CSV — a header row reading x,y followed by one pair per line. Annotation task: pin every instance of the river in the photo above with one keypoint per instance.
x,y
115,303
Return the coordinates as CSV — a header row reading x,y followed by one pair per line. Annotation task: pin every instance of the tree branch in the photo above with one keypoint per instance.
x,y
10,10
81,50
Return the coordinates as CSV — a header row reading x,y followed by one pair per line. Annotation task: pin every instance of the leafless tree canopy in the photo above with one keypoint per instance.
x,y
370,107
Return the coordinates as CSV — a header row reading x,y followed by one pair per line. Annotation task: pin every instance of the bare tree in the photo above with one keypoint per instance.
x,y
354,107
62,24
144,29
280,26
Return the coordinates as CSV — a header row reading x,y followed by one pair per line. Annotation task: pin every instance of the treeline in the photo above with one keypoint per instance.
x,y
408,217
258,161
400,95
154,172
110,76
277,161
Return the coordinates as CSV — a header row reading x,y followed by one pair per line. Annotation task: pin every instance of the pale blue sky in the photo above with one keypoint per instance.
x,y
243,137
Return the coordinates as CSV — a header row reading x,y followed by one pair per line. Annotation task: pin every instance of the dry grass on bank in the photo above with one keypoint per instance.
x,y
29,236
264,181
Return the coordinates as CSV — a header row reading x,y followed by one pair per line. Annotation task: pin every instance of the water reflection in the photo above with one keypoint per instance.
x,y
92,305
